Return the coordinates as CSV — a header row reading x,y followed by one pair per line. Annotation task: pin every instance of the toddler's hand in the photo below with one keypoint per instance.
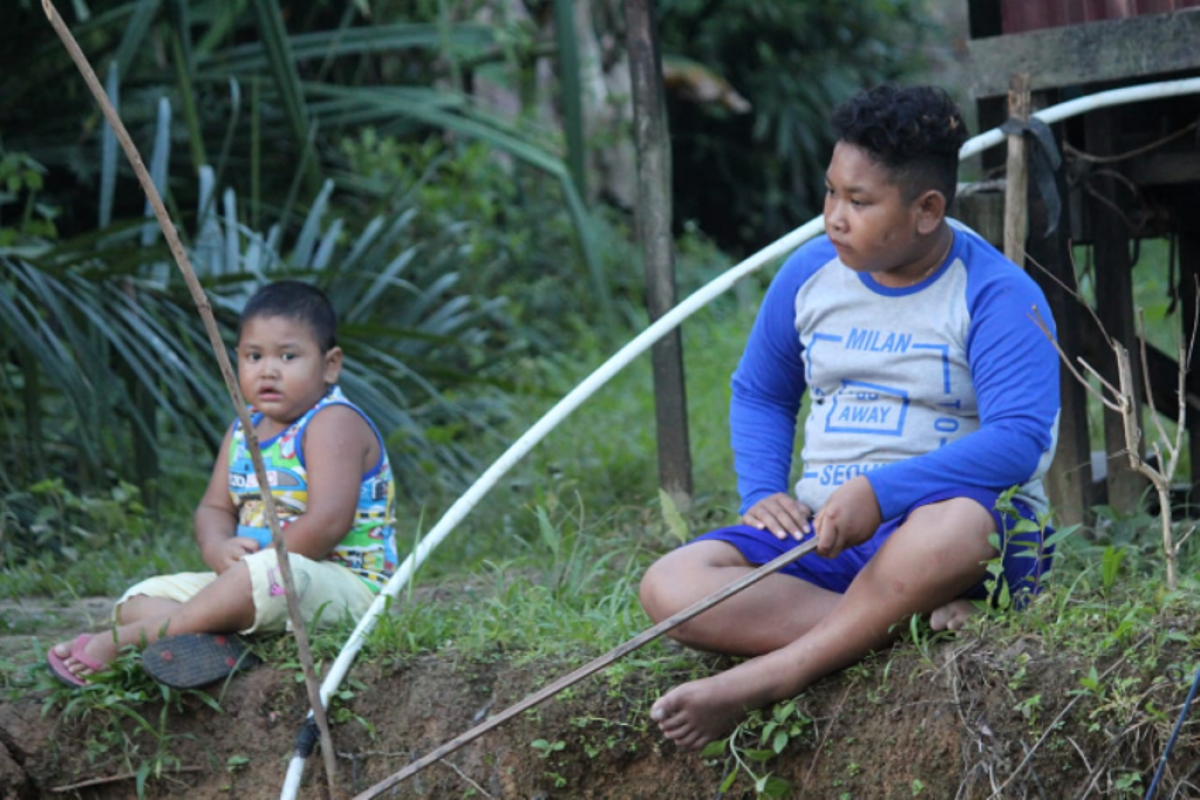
x,y
229,552
781,514
850,517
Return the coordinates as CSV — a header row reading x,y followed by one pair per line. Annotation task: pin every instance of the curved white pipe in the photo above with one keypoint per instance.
x,y
636,347
1081,105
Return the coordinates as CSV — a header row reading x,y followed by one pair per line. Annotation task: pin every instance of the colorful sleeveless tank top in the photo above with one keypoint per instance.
x,y
369,549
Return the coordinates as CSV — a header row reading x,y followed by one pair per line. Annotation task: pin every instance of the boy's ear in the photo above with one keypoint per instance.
x,y
931,210
333,365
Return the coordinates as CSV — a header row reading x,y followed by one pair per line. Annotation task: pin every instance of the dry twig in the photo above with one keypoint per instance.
x,y
214,336
124,776
1054,725
1122,400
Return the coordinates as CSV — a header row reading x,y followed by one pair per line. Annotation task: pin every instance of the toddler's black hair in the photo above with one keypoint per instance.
x,y
298,301
914,132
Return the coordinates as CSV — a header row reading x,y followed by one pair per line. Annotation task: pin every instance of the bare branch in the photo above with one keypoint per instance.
x,y
1186,536
1095,317
1114,405
1036,316
1191,345
1162,433
175,244
1181,419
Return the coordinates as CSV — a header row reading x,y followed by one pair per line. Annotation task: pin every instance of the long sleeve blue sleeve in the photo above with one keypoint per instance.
x,y
769,384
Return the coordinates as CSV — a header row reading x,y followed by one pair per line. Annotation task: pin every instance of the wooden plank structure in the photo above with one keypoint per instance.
x,y
1129,173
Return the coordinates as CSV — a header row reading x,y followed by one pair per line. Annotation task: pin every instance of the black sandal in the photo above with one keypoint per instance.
x,y
196,659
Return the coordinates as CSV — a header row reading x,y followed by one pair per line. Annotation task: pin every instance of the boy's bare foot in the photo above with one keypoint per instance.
x,y
952,616
93,656
695,713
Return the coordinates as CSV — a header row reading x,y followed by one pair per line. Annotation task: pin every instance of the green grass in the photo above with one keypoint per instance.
x,y
546,568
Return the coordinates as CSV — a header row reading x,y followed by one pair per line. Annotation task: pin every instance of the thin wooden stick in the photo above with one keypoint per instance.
x,y
235,393
125,776
643,638
1016,198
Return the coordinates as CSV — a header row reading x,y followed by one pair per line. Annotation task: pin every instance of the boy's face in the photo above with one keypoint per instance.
x,y
870,222
281,368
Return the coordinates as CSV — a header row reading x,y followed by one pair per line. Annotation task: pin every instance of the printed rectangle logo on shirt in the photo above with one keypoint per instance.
x,y
868,408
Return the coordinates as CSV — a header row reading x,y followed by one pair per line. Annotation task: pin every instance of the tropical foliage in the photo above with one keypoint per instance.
x,y
748,178
344,143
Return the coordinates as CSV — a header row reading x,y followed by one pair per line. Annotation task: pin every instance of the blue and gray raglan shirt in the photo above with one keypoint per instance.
x,y
946,383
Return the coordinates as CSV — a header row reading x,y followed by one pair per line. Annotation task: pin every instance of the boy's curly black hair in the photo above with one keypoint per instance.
x,y
294,300
915,132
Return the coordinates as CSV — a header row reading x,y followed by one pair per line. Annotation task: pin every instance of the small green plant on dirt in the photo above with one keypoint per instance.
x,y
922,636
1029,708
119,733
1128,784
613,734
1000,596
339,710
1110,566
759,739
1018,675
547,748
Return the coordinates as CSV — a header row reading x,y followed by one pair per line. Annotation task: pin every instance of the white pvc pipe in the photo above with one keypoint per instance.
x,y
640,344
1081,105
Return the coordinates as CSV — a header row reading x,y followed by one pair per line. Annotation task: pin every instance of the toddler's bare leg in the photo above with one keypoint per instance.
x,y
140,607
930,560
224,606
761,618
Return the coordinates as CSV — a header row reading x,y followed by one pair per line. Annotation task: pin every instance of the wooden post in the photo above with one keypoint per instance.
x,y
1069,481
1114,302
654,232
1016,181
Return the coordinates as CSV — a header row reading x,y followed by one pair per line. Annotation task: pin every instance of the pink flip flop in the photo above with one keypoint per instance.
x,y
59,666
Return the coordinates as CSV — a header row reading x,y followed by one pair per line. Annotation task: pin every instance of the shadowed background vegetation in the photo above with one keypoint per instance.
x,y
420,161
425,162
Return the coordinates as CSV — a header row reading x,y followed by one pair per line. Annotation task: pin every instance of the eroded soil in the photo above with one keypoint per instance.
x,y
964,719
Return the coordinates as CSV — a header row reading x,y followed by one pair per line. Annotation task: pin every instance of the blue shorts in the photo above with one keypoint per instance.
x,y
1025,558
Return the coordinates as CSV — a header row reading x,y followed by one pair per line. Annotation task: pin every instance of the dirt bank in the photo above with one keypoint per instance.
x,y
961,720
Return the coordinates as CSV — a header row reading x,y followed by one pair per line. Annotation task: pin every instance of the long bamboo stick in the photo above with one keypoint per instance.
x,y
235,393
642,639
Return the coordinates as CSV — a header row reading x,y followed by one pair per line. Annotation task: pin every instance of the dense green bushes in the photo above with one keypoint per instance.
x,y
749,178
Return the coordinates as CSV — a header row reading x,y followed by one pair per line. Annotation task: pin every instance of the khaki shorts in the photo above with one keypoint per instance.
x,y
322,587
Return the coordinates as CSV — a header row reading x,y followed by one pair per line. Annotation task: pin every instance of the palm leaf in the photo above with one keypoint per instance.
x,y
256,57
380,104
572,91
136,30
287,81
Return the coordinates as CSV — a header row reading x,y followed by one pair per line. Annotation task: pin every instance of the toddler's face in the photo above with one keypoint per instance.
x,y
281,369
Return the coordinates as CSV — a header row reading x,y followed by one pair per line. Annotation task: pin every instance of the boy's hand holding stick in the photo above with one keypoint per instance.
x,y
214,336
